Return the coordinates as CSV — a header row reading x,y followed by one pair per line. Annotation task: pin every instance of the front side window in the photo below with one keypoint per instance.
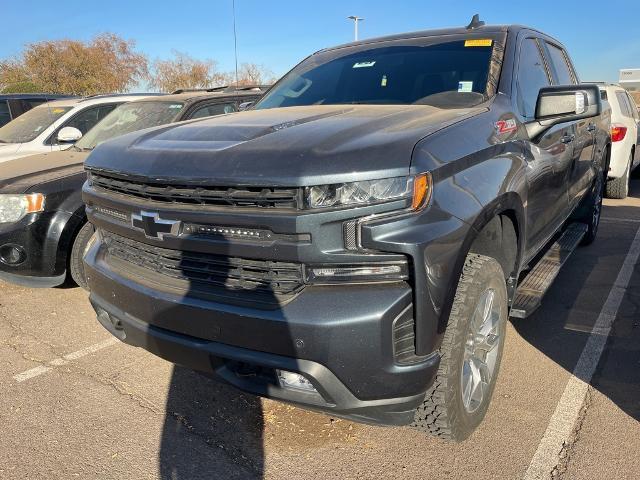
x,y
532,76
445,74
29,125
86,119
215,109
128,118
560,65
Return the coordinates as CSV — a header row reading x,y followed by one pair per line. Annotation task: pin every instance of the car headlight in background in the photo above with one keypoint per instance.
x,y
417,188
16,207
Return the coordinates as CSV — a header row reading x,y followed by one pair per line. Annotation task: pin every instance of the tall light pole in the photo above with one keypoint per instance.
x,y
355,19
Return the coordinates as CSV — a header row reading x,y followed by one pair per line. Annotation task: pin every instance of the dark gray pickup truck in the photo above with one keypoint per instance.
x,y
356,241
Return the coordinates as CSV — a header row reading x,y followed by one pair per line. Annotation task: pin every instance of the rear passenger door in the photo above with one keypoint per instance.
x,y
582,169
548,157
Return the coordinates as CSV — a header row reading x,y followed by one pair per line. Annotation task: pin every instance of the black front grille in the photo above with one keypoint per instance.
x,y
257,197
263,280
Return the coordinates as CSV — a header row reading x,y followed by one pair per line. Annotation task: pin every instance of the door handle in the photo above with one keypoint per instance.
x,y
591,128
568,138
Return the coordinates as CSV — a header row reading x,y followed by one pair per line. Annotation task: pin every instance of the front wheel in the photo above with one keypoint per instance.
x,y
76,267
470,354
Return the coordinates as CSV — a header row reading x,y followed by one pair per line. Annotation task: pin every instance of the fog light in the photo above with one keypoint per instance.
x,y
12,254
327,274
294,381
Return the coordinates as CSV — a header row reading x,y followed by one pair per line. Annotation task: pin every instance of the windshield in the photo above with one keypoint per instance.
x,y
31,124
446,74
128,118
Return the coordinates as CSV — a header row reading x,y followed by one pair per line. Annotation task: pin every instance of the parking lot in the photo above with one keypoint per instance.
x,y
78,404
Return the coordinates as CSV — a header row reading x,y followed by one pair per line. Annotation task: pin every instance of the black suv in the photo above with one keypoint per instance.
x,y
13,105
355,243
43,227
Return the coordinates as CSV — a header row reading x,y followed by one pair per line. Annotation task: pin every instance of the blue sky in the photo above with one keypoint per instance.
x,y
602,37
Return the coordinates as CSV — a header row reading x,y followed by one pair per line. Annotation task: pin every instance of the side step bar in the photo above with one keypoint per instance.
x,y
530,292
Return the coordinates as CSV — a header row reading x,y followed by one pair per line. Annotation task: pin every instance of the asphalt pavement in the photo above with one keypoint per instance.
x,y
74,403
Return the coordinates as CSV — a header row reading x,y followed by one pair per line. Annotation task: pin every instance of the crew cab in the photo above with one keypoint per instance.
x,y
355,242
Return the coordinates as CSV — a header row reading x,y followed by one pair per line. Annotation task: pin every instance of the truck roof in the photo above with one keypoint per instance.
x,y
489,29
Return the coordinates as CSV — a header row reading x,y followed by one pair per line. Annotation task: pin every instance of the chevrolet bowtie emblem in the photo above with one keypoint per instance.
x,y
153,226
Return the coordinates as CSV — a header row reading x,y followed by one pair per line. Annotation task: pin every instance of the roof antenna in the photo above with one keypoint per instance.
x,y
475,22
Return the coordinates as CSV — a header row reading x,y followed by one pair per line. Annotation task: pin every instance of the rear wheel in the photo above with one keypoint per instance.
x,y
619,187
76,267
470,354
592,216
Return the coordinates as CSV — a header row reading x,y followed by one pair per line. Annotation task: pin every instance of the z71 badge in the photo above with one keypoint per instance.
x,y
506,126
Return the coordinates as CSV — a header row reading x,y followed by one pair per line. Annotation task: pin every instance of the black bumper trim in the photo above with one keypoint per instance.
x,y
204,355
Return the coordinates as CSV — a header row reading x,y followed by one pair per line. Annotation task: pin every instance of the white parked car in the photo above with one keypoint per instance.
x,y
625,138
56,125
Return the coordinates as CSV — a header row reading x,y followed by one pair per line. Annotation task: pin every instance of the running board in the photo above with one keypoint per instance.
x,y
530,292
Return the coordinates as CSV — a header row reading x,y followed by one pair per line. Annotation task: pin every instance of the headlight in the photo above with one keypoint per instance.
x,y
416,188
15,207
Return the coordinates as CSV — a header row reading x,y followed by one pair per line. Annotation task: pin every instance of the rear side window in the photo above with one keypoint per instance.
x,y
532,76
29,103
625,108
634,107
215,109
560,65
5,114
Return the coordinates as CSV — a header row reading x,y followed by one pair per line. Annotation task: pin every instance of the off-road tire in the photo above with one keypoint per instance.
x,y
76,267
442,413
618,188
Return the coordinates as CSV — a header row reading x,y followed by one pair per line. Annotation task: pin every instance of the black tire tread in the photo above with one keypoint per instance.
x,y
76,267
436,415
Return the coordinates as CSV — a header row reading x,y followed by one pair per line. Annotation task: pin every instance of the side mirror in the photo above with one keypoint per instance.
x,y
564,103
245,106
69,135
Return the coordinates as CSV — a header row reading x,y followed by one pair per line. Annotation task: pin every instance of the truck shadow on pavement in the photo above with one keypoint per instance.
x,y
211,430
562,325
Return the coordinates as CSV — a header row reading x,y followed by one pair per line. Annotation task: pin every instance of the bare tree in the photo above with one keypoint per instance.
x,y
106,64
253,74
184,71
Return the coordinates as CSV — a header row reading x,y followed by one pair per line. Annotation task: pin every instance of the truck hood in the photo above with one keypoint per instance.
x,y
294,146
17,176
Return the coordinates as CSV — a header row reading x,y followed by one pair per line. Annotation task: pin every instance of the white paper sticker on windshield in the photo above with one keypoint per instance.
x,y
364,64
465,86
176,105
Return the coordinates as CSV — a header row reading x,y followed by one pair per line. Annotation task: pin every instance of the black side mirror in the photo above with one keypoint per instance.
x,y
564,103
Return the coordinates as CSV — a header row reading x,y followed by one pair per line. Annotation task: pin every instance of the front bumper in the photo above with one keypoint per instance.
x,y
339,337
42,240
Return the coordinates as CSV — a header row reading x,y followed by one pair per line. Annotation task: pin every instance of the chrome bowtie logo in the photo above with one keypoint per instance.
x,y
153,226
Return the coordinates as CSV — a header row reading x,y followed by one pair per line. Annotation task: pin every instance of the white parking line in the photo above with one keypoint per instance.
x,y
564,419
57,362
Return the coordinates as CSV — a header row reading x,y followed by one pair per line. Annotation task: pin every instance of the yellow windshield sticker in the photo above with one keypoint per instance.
x,y
57,110
480,42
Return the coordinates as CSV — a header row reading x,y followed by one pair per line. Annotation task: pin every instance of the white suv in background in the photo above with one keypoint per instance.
x,y
625,137
56,125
